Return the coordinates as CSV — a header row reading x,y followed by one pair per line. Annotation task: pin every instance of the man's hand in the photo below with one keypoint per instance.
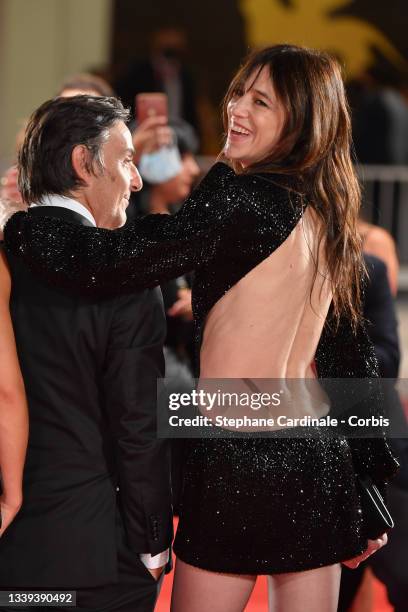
x,y
8,511
182,307
152,134
157,572
373,546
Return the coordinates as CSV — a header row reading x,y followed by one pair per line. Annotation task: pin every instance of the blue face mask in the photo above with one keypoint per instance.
x,y
161,165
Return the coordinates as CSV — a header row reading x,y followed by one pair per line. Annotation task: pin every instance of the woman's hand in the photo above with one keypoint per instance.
x,y
152,134
373,546
8,510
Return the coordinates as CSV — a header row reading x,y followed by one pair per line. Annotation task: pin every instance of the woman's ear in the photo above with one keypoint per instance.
x,y
80,159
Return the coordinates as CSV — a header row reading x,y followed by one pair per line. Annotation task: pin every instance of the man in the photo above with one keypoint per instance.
x,y
96,516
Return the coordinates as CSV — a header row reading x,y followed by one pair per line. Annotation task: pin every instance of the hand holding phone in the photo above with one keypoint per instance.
x,y
151,105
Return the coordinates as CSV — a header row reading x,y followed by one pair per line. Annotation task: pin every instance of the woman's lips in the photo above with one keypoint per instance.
x,y
235,136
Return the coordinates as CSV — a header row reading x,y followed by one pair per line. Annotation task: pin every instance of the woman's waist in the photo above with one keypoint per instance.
x,y
234,356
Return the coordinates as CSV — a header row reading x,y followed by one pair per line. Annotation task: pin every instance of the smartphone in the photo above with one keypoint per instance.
x,y
151,105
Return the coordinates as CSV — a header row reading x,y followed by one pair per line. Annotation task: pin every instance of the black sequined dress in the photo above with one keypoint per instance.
x,y
250,506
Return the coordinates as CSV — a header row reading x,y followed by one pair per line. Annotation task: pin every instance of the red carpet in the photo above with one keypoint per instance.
x,y
259,600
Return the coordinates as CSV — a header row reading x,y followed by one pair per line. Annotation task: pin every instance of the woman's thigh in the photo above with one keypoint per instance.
x,y
198,590
307,591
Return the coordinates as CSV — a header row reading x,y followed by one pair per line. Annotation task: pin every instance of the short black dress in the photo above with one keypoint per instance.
x,y
250,506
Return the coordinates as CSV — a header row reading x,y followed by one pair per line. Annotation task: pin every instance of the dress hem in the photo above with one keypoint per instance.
x,y
272,570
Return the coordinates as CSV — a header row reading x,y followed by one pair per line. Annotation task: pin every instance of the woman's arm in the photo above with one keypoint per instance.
x,y
145,253
13,410
348,358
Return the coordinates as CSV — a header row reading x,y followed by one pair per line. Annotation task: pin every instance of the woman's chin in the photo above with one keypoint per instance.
x,y
232,154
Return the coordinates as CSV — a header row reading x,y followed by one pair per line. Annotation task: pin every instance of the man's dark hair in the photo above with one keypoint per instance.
x,y
54,129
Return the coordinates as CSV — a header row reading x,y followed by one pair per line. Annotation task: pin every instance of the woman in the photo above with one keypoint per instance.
x,y
272,240
13,411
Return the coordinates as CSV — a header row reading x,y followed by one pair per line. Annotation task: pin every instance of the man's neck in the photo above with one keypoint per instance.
x,y
83,200
103,218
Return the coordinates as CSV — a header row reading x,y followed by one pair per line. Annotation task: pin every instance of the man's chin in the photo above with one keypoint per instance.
x,y
114,222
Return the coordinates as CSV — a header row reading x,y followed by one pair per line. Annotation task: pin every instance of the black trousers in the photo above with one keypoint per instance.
x,y
135,591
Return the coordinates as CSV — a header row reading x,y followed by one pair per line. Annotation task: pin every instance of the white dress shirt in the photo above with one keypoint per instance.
x,y
150,561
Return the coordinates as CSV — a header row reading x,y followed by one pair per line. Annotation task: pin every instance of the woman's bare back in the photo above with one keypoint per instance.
x,y
266,326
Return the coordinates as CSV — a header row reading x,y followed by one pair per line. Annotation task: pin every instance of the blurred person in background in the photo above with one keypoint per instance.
x,y
271,236
85,83
378,242
10,197
13,411
380,117
164,70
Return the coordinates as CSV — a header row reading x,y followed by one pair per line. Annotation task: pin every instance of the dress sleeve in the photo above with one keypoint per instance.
x,y
149,251
344,354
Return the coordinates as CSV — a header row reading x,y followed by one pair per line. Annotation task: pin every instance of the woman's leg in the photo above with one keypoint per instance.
x,y
197,590
308,591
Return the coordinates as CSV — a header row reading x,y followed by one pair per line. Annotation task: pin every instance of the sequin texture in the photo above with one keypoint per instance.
x,y
249,506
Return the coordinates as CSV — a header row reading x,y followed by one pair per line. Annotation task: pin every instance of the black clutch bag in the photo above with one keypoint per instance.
x,y
376,515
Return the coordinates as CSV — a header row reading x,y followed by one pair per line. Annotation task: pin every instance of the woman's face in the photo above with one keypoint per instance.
x,y
255,121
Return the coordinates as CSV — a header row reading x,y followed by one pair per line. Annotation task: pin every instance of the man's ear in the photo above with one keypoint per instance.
x,y
81,162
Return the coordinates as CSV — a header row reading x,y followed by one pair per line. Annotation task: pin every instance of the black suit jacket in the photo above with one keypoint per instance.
x,y
90,370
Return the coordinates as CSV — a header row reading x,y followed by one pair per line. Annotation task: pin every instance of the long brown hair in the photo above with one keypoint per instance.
x,y
314,148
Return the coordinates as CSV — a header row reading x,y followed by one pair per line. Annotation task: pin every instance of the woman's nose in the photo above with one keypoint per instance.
x,y
240,107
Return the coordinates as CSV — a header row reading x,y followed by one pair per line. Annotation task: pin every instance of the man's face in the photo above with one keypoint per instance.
x,y
108,192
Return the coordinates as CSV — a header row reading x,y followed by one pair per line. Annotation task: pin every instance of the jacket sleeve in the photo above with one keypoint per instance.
x,y
145,253
133,363
344,354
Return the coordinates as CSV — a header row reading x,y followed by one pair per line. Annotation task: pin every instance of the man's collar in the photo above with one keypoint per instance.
x,y
66,202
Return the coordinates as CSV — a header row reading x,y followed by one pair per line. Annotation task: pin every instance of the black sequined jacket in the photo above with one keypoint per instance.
x,y
228,226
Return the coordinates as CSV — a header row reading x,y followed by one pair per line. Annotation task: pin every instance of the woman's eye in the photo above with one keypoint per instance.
x,y
260,102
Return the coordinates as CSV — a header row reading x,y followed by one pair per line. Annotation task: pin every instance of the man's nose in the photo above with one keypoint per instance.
x,y
136,182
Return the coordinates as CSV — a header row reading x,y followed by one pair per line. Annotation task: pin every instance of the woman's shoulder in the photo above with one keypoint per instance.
x,y
264,199
219,176
270,185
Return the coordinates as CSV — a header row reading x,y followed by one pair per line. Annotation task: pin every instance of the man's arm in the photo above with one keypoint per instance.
x,y
13,410
134,361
